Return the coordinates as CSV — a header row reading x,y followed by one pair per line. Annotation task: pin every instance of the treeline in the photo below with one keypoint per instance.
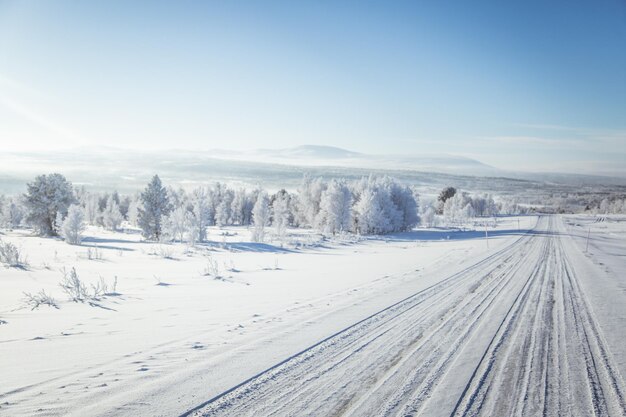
x,y
372,205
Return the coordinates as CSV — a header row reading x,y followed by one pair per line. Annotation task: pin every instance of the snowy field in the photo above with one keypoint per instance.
x,y
430,322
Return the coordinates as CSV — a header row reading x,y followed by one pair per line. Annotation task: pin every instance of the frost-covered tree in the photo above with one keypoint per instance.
x,y
484,205
124,204
11,212
604,206
309,198
133,211
404,200
369,214
454,211
242,205
178,224
155,206
444,196
200,217
335,214
280,213
92,209
260,216
428,217
73,225
383,206
223,210
112,217
467,213
45,197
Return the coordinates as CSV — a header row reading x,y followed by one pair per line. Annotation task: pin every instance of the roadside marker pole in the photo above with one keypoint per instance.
x,y
486,235
588,233
518,228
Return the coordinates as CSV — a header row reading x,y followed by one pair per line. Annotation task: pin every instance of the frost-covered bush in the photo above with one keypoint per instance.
x,y
41,298
94,254
11,256
162,251
73,225
77,290
73,286
212,268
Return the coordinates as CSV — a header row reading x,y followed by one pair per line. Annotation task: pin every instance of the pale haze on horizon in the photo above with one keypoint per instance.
x,y
527,86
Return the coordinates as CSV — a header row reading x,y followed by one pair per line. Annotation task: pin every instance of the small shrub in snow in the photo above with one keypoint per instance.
x,y
113,289
160,283
212,268
94,254
73,286
230,267
274,268
41,298
11,256
102,289
78,292
162,251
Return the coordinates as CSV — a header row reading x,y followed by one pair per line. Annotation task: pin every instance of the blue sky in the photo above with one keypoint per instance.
x,y
531,85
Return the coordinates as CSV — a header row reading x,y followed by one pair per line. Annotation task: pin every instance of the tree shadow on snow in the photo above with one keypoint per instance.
x,y
248,247
454,234
98,240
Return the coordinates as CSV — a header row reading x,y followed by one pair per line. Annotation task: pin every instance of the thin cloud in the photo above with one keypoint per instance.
x,y
10,89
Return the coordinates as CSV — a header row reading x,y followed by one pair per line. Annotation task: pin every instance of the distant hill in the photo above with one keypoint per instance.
x,y
312,152
315,155
103,168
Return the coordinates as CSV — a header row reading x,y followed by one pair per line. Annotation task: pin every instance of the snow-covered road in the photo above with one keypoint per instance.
x,y
513,334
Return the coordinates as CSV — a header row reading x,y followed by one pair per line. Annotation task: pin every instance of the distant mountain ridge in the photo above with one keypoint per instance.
x,y
313,151
318,155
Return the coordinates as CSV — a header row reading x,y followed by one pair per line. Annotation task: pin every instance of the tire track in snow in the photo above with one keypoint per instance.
x,y
545,357
464,281
567,367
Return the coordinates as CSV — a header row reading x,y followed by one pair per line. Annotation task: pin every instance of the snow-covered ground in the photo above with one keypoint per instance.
x,y
433,322
605,273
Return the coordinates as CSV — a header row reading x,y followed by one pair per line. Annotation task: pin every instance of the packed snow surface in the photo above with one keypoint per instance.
x,y
432,322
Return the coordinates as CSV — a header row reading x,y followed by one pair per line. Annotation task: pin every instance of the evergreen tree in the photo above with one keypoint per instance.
x,y
155,206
